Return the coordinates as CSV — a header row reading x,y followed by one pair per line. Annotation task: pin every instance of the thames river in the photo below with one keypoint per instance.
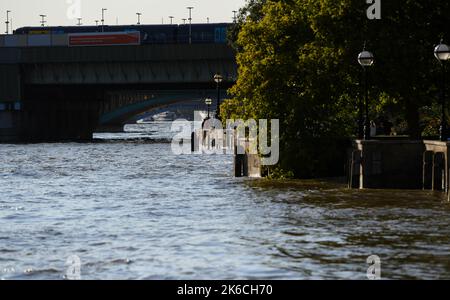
x,y
134,210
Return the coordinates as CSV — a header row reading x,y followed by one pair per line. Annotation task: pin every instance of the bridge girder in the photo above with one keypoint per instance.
x,y
199,71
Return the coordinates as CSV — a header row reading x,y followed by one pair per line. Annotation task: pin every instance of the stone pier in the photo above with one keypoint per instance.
x,y
399,164
221,141
9,126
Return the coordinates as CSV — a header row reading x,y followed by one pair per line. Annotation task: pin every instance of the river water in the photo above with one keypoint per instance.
x,y
133,210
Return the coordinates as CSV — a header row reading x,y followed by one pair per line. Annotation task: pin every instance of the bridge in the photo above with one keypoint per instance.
x,y
67,93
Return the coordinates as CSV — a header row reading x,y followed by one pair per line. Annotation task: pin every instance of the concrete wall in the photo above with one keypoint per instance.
x,y
39,55
10,83
9,126
129,72
389,164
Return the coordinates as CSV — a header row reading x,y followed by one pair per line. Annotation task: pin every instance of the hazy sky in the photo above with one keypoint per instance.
x,y
64,12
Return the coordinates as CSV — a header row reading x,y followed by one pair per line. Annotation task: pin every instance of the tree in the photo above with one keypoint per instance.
x,y
251,11
297,63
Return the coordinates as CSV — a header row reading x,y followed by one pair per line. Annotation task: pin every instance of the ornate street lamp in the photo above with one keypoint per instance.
x,y
366,59
442,53
218,79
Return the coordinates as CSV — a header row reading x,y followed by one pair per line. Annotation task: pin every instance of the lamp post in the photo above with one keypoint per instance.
x,y
7,21
366,59
139,18
171,19
442,53
79,21
190,23
218,79
96,22
358,86
43,20
208,102
103,19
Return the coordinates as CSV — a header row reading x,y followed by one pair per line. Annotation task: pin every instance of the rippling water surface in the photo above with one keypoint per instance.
x,y
133,210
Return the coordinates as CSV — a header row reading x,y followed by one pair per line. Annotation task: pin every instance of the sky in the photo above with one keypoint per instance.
x,y
66,12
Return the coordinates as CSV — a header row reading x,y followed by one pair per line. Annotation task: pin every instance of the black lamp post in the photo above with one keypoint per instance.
x,y
208,102
360,112
190,23
7,21
103,18
218,79
43,20
234,16
366,59
442,53
138,14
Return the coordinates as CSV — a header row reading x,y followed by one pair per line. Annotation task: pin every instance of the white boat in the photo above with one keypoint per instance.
x,y
165,116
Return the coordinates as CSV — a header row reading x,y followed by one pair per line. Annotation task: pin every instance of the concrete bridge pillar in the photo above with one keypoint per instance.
x,y
427,170
438,176
9,126
58,120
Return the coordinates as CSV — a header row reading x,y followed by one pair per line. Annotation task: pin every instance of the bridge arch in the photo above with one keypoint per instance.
x,y
120,114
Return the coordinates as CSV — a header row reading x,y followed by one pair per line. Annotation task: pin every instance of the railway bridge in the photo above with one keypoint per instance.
x,y
67,93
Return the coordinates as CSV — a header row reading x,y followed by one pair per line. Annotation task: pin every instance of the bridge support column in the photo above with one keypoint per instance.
x,y
9,126
56,120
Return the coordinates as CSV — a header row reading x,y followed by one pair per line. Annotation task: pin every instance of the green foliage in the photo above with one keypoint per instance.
x,y
297,63
278,173
251,11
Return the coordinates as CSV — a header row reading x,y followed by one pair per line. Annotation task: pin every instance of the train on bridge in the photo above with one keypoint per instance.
x,y
214,33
